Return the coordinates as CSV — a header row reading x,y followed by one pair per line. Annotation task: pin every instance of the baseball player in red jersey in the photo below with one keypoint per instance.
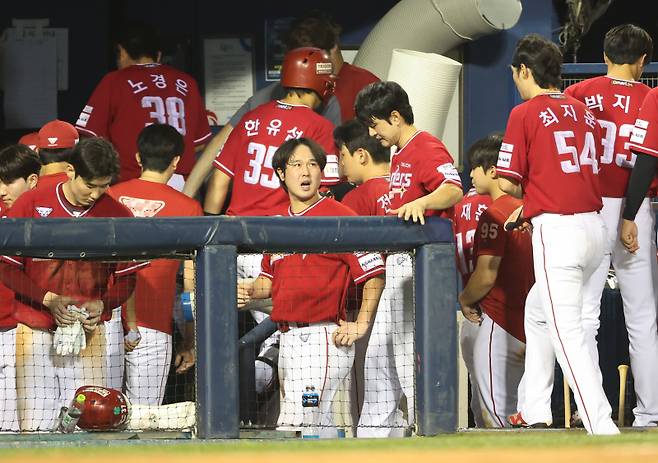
x,y
365,162
495,295
147,365
615,100
558,136
423,182
317,344
55,143
141,92
45,288
467,213
19,173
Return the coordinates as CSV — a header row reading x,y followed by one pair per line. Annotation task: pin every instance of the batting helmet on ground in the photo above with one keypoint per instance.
x,y
310,68
104,409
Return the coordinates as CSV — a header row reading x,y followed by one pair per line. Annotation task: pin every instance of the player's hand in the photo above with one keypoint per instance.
x,y
58,306
515,221
184,359
628,236
348,333
131,339
245,290
471,313
414,210
94,310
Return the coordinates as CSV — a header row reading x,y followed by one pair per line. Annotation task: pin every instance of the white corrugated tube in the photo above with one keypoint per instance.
x,y
433,26
438,80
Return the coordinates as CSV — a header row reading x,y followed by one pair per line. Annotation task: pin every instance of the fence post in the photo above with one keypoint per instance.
x,y
436,339
218,414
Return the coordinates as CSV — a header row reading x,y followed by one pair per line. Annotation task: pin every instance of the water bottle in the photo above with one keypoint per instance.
x,y
73,414
311,406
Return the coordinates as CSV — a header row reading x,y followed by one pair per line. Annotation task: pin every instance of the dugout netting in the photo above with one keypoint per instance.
x,y
366,390
215,244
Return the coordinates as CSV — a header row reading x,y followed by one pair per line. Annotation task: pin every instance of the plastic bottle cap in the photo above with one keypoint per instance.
x,y
80,398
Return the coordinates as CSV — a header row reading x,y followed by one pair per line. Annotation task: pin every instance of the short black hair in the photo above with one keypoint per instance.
x,y
484,152
53,155
626,43
542,57
94,158
285,151
158,145
139,39
379,99
18,161
315,29
354,134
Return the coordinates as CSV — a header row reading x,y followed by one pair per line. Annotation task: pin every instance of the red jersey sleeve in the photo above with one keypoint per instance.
x,y
364,266
490,237
513,157
266,267
95,116
356,202
325,138
438,169
226,158
645,133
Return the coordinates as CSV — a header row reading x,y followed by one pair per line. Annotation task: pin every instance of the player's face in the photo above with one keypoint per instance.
x,y
10,192
387,134
302,176
350,165
480,180
85,192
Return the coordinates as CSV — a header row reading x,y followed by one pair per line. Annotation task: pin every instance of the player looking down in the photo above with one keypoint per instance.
x,y
317,344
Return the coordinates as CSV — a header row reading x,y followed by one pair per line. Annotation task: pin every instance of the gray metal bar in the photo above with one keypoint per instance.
x,y
436,339
218,414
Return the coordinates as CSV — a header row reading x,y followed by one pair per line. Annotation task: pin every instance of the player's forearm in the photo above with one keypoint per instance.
x,y
188,276
262,288
131,312
18,281
638,185
511,187
477,287
119,292
372,291
203,166
444,197
217,191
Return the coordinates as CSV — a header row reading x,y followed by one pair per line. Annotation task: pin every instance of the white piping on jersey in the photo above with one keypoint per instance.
x,y
62,203
131,269
622,80
93,134
292,214
407,143
643,149
12,261
223,166
511,172
295,105
199,140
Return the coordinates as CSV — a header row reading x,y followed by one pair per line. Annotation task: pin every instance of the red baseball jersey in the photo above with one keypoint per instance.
x,y
351,79
464,222
615,103
645,133
419,168
551,145
7,320
82,280
247,155
313,287
505,302
155,291
129,99
370,198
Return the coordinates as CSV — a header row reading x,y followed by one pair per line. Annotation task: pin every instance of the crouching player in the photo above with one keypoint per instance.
x,y
495,295
309,294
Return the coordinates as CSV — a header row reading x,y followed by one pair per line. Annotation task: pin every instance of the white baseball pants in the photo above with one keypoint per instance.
x,y
147,368
8,412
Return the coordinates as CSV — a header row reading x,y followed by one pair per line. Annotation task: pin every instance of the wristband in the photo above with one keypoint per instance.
x,y
187,304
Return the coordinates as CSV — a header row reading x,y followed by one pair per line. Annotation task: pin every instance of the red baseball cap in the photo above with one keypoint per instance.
x,y
31,140
58,134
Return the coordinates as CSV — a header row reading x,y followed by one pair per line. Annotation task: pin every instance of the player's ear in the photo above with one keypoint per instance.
x,y
138,158
395,118
70,171
362,156
159,57
174,162
32,180
281,174
492,172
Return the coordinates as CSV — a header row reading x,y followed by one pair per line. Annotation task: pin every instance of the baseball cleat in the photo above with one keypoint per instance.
x,y
516,421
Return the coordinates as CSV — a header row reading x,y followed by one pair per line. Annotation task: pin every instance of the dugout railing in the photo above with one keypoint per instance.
x,y
215,242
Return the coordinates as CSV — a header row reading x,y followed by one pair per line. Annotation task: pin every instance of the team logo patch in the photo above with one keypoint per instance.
x,y
370,261
641,123
52,140
448,171
142,207
324,68
88,109
43,211
638,136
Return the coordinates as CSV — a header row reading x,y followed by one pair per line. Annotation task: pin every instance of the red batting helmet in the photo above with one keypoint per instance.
x,y
311,68
104,409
